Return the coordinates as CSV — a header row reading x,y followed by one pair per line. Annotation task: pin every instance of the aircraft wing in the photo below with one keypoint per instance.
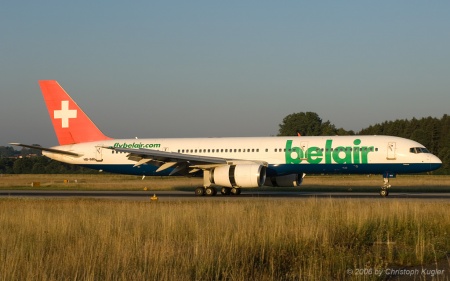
x,y
165,156
181,162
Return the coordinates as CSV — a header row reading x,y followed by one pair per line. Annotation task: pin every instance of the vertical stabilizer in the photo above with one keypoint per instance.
x,y
71,124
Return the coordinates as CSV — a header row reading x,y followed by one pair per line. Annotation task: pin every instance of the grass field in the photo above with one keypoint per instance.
x,y
311,239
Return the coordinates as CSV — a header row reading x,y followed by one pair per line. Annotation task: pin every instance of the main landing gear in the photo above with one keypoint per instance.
x,y
384,189
211,191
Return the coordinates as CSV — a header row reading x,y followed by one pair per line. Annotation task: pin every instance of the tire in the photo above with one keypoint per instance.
x,y
200,191
210,191
225,191
235,191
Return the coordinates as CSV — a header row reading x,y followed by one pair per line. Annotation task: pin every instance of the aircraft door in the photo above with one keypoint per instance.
x,y
98,153
391,148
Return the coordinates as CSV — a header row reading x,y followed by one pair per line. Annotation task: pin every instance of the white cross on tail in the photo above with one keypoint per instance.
x,y
65,114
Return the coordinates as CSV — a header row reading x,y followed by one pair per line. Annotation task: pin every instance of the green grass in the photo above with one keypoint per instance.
x,y
311,239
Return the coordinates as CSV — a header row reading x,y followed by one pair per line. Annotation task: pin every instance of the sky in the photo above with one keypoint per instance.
x,y
152,69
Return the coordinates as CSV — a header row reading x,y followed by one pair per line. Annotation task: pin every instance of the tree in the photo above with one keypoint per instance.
x,y
7,151
6,165
23,166
308,124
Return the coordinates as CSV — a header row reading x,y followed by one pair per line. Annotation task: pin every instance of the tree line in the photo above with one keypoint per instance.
x,y
433,133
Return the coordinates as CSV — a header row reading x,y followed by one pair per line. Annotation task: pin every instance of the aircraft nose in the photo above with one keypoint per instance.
x,y
435,162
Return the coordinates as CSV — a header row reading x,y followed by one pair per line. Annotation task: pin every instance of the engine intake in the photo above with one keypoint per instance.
x,y
245,175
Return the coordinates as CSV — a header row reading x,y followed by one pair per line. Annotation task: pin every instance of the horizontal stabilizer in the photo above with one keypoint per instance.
x,y
58,151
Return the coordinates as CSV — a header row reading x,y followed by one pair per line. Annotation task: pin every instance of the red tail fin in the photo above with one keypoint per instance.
x,y
71,124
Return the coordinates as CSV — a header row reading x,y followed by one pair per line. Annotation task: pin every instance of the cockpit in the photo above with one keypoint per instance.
x,y
417,150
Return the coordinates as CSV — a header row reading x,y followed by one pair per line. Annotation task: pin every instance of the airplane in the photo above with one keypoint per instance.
x,y
231,164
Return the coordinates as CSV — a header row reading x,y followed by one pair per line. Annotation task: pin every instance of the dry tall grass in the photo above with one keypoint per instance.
x,y
311,239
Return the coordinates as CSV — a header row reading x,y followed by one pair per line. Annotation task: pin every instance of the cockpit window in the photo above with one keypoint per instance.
x,y
418,150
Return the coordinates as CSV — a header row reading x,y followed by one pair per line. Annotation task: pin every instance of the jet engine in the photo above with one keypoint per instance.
x,y
242,175
291,180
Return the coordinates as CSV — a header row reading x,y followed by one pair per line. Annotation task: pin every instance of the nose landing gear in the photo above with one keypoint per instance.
x,y
384,189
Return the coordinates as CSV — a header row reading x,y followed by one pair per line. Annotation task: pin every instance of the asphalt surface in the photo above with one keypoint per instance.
x,y
247,194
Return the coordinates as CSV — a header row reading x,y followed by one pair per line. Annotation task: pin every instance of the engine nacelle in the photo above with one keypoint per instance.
x,y
291,180
244,175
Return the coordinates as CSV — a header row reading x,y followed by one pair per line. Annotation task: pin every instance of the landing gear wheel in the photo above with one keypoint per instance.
x,y
384,192
200,191
384,189
210,191
235,191
225,191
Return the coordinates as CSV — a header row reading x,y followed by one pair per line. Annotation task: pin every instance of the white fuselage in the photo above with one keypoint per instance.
x,y
284,155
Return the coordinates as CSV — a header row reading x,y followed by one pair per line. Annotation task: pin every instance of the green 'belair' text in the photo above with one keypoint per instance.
x,y
328,155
